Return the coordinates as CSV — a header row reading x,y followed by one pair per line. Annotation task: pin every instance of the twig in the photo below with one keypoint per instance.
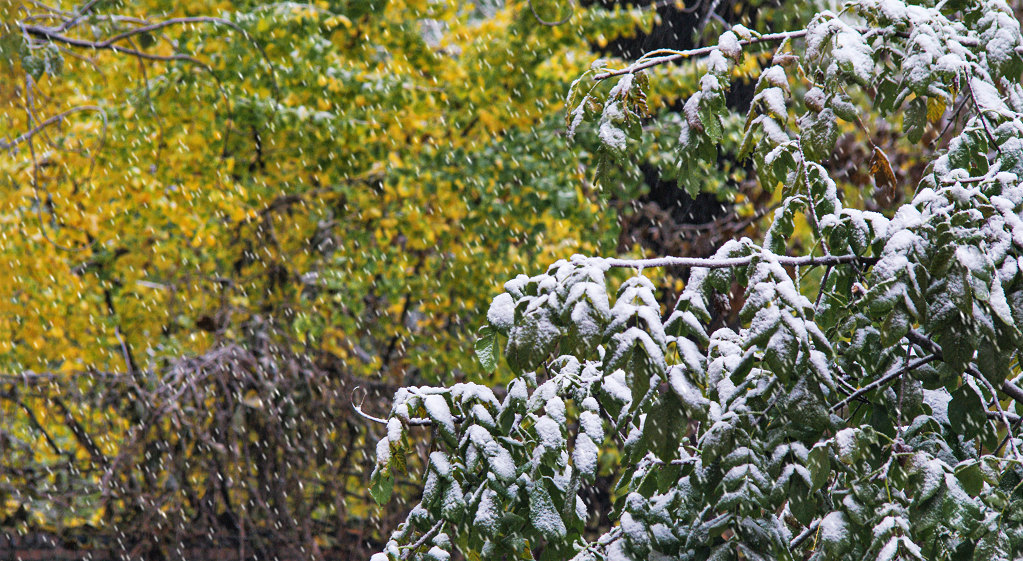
x,y
422,541
804,534
542,21
678,55
60,116
723,263
980,115
412,422
1008,388
884,380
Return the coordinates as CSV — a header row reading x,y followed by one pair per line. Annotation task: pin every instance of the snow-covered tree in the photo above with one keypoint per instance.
x,y
867,402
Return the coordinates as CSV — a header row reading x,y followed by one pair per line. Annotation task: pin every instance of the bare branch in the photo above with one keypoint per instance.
x,y
723,263
642,64
30,133
884,380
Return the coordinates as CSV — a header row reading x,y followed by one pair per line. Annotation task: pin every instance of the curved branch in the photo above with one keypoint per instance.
x,y
644,64
550,23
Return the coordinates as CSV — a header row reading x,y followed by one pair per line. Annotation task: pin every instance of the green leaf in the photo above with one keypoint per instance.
x,y
543,515
915,120
663,428
486,348
818,462
820,133
967,412
381,486
971,478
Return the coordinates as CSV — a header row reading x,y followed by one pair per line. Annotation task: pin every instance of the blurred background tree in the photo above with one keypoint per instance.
x,y
225,221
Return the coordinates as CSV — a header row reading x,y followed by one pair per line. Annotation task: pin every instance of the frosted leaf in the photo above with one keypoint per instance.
x,y
502,312
692,357
742,32
710,86
549,432
728,43
517,391
501,462
383,452
591,425
717,63
846,442
584,455
394,430
581,512
897,545
610,135
988,98
487,514
635,338
691,396
634,530
815,98
621,89
437,408
775,76
542,514
440,463
774,101
438,554
834,529
555,408
483,416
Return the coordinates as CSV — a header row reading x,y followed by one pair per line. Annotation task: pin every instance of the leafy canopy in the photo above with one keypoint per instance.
x,y
867,402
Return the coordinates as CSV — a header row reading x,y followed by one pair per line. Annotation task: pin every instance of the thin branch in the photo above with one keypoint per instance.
x,y
542,21
884,380
1008,388
981,116
412,422
1008,417
60,116
679,55
422,541
804,534
723,263
52,35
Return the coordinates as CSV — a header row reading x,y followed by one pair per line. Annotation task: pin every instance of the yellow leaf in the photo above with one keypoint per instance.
x,y
935,108
881,169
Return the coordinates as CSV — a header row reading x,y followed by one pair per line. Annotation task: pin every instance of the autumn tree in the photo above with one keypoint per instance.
x,y
866,400
221,218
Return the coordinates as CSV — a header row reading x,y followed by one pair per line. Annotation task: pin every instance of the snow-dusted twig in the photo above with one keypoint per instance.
x,y
679,55
1008,388
1002,414
413,422
884,380
422,541
722,263
804,534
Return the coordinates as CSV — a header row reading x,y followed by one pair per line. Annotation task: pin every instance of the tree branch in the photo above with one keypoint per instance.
x,y
642,64
884,380
1008,388
721,263
59,117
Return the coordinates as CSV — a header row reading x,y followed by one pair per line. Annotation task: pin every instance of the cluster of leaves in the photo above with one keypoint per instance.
x,y
866,404
325,188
